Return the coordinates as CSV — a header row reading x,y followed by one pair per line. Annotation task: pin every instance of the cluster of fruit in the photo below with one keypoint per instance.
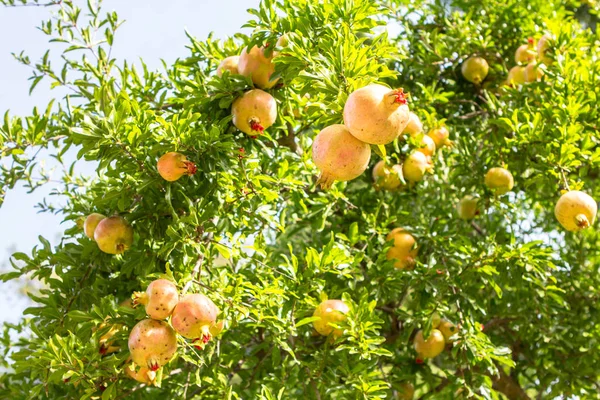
x,y
112,234
527,58
442,334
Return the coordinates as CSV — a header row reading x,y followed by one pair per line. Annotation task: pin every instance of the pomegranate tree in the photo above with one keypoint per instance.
x,y
499,181
330,312
387,177
194,316
431,346
113,235
90,224
404,250
254,111
376,114
228,64
475,69
159,299
172,166
152,344
575,210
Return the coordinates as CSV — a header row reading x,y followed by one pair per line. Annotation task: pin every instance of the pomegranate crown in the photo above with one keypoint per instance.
x,y
400,96
530,40
191,168
256,126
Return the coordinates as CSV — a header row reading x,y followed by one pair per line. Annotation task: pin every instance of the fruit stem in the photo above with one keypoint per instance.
x,y
190,167
138,298
399,96
256,126
582,221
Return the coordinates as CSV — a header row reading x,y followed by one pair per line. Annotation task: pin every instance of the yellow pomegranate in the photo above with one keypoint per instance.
x,y
330,312
404,250
516,76
448,329
172,166
543,47
254,111
376,114
257,66
228,64
387,177
467,207
427,146
575,210
430,347
440,136
475,69
90,224
143,375
533,72
526,53
415,166
414,126
339,155
499,181
405,391
114,235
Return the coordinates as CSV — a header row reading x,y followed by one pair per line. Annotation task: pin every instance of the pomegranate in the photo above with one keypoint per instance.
x,y
152,343
436,320
254,111
376,114
387,177
430,347
405,391
414,126
404,249
525,53
467,207
172,166
193,317
216,328
533,72
543,47
448,330
258,67
516,76
415,166
427,146
440,136
90,224
160,298
143,375
475,69
330,312
114,235
228,64
499,181
339,155
575,210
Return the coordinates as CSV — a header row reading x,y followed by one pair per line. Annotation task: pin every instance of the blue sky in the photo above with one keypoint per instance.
x,y
152,31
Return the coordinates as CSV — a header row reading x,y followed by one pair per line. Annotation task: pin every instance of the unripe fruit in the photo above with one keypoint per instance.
x,y
542,49
376,114
404,249
339,155
440,137
499,181
228,64
172,166
414,126
254,111
533,72
193,317
475,69
525,53
113,235
427,146
330,312
448,330
257,66
406,391
430,347
467,207
516,76
152,343
387,177
160,298
415,166
90,224
575,210
143,375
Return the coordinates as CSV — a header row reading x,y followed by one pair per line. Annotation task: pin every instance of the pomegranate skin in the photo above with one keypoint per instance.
x,y
415,166
90,224
414,126
475,69
440,137
330,311
339,155
193,317
254,111
525,54
376,114
152,344
427,146
499,180
255,65
143,375
430,347
172,166
114,235
543,46
576,210
467,207
387,177
533,72
228,64
404,250
448,329
160,299
516,76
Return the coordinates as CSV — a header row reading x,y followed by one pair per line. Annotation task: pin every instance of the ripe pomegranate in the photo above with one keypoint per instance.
x,y
339,155
427,146
467,207
430,347
228,64
152,343
415,166
499,181
414,126
475,69
440,136
143,375
258,67
525,53
575,210
193,317
254,111
114,235
533,72
542,49
90,224
160,298
330,312
404,249
448,330
405,391
376,114
387,177
172,166
516,76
